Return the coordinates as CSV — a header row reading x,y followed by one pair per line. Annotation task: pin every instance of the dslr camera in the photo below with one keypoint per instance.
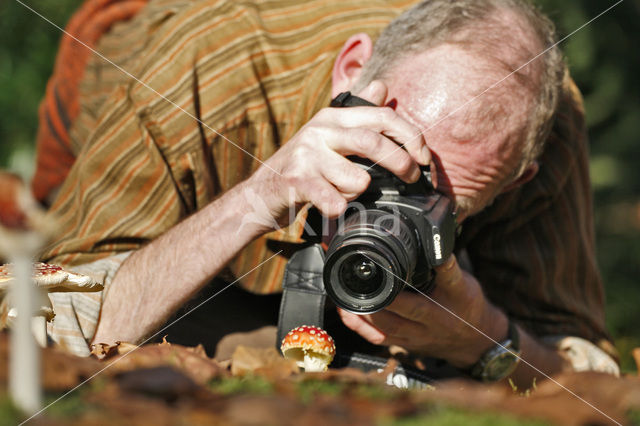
x,y
393,234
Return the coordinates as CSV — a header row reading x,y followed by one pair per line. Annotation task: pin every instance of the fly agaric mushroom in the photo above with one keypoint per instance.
x,y
311,347
52,279
49,279
23,230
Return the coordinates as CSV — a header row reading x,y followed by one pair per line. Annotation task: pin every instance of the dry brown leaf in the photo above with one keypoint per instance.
x,y
198,350
103,351
197,366
158,382
124,347
267,362
263,337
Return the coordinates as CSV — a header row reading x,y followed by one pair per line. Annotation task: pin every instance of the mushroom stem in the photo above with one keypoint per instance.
x,y
39,329
24,363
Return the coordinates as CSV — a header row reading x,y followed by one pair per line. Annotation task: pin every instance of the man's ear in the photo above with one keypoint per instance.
x,y
526,176
348,65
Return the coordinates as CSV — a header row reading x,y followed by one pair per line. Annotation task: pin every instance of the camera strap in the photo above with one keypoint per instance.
x,y
303,300
303,295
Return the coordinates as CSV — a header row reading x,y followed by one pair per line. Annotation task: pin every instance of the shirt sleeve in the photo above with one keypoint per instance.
x,y
77,314
583,355
533,249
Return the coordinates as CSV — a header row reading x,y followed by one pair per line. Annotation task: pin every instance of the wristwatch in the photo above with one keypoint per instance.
x,y
499,361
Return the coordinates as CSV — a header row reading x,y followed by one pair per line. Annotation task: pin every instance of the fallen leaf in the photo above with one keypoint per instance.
x,y
103,351
195,365
158,382
267,362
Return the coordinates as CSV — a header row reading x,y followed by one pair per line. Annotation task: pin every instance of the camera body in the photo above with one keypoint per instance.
x,y
392,234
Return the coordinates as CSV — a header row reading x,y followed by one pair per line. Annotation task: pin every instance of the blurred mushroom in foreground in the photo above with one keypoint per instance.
x,y
48,278
311,347
22,234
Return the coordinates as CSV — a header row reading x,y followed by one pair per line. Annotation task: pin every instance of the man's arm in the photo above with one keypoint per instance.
x,y
159,278
455,322
311,167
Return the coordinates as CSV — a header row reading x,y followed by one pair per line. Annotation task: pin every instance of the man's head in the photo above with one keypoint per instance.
x,y
448,64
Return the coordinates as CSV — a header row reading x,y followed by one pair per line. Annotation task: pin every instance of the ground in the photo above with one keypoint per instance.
x,y
171,384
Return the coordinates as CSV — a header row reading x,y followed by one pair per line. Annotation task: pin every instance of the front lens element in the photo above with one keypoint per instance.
x,y
360,275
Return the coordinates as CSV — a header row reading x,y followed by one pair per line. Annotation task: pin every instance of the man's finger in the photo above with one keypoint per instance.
x,y
388,122
376,147
413,141
411,306
375,92
324,196
360,325
449,275
348,178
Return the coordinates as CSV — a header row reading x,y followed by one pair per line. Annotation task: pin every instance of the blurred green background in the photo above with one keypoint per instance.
x,y
604,61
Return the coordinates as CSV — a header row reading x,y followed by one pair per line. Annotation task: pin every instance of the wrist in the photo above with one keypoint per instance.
x,y
254,212
494,327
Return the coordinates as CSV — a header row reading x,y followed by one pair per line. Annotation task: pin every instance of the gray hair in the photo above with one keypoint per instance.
x,y
472,23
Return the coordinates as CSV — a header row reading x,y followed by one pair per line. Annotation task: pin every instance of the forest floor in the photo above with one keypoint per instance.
x,y
168,384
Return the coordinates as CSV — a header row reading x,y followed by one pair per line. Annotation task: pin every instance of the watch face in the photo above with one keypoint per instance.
x,y
500,366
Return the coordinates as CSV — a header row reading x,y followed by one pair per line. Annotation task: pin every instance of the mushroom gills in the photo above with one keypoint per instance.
x,y
308,359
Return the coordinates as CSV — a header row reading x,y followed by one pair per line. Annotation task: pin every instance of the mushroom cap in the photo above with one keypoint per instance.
x,y
311,347
52,278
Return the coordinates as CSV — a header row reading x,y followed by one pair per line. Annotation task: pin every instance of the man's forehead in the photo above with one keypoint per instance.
x,y
448,80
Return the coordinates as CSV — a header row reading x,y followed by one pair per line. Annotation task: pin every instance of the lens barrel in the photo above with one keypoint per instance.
x,y
370,258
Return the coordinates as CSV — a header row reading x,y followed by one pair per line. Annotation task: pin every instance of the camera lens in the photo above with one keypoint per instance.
x,y
369,260
360,276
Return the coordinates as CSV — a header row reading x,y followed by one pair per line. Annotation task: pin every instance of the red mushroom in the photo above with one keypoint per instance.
x,y
311,347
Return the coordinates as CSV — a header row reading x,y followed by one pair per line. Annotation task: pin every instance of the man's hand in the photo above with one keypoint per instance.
x,y
424,326
312,167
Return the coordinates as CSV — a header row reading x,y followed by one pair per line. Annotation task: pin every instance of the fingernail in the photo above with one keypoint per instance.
x,y
434,175
416,175
450,262
426,155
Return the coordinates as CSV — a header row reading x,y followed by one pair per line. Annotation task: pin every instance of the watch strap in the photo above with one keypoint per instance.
x,y
510,347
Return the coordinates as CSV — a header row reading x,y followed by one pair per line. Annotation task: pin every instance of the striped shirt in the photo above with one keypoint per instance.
x,y
254,73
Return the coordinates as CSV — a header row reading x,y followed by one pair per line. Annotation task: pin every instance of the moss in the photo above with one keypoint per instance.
x,y
308,389
634,417
246,384
65,406
448,416
9,413
58,407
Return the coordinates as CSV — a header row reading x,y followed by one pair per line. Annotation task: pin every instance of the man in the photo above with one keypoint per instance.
x,y
160,187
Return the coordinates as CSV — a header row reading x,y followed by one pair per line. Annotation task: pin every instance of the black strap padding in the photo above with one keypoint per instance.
x,y
303,295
